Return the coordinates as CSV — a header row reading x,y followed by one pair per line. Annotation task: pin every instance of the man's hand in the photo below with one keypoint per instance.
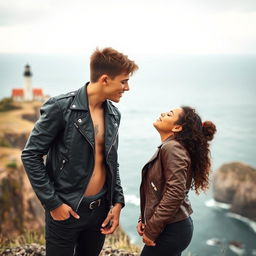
x,y
110,224
148,241
63,212
140,228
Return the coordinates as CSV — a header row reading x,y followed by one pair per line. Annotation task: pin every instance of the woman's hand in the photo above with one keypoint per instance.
x,y
140,228
148,241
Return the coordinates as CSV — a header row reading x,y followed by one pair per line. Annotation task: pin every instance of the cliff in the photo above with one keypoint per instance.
x,y
19,207
15,125
234,183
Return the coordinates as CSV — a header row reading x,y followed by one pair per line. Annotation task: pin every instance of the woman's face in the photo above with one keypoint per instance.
x,y
166,122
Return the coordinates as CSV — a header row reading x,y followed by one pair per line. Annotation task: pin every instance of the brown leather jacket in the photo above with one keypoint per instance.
x,y
166,180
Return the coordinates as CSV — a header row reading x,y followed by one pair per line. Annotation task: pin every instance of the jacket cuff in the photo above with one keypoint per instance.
x,y
120,202
52,203
151,236
119,198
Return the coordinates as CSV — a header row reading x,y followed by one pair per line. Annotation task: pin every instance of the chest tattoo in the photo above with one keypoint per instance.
x,y
96,129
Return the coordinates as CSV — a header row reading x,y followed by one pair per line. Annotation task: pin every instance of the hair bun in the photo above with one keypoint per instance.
x,y
209,129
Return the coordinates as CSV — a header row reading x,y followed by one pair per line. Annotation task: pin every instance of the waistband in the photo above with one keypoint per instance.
x,y
101,194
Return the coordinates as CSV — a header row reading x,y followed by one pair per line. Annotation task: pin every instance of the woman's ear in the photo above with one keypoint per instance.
x,y
177,128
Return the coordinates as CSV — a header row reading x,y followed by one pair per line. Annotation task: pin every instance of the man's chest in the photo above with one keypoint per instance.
x,y
99,126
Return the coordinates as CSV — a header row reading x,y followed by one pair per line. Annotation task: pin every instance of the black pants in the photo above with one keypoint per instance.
x,y
80,237
174,239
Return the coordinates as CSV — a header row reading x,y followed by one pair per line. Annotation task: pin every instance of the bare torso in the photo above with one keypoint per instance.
x,y
98,177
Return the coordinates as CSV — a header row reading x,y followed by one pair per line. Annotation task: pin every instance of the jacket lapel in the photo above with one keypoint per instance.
x,y
155,155
85,125
111,125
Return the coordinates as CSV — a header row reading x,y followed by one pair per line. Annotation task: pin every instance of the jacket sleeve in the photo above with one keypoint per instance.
x,y
42,136
175,162
118,190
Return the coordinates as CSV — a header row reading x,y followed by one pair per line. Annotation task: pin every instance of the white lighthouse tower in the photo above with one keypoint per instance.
x,y
28,92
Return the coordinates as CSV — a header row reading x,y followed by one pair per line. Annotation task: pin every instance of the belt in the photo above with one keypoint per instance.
x,y
95,204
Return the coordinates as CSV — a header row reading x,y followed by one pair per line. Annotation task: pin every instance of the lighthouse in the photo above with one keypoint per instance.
x,y
28,92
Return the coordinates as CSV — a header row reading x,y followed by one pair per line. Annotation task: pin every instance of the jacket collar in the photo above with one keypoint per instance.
x,y
80,102
158,148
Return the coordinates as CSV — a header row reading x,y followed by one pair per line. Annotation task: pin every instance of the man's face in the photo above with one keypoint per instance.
x,y
116,87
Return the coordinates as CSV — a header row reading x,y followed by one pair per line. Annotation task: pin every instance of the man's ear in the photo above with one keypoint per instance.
x,y
177,128
104,79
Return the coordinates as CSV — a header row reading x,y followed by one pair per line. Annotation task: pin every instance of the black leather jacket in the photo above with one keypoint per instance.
x,y
65,133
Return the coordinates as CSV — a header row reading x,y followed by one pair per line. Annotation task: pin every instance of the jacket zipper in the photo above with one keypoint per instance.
x,y
93,164
155,189
63,162
153,185
111,197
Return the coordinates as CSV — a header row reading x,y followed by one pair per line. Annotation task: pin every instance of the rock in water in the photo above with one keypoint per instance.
x,y
234,183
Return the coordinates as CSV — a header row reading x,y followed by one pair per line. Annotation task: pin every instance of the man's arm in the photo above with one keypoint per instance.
x,y
43,134
111,222
118,190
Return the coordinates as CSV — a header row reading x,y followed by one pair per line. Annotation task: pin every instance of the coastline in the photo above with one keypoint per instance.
x,y
224,206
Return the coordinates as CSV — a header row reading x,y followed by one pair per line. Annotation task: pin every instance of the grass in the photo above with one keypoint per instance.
x,y
12,121
117,241
7,104
4,143
12,165
120,240
27,237
9,155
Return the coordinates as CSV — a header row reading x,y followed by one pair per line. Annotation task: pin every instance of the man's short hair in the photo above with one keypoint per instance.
x,y
110,62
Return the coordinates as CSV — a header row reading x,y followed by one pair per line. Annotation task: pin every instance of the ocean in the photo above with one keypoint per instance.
x,y
222,88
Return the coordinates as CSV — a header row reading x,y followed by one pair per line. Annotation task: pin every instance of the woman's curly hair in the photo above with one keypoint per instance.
x,y
195,137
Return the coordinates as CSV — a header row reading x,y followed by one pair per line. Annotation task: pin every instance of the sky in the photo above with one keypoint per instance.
x,y
138,26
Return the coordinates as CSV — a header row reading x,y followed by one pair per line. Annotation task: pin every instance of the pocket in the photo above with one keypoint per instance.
x,y
68,220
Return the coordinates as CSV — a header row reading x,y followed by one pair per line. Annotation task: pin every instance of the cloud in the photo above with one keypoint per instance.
x,y
225,5
20,12
145,27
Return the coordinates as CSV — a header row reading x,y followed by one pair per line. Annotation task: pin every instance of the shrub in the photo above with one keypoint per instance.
x,y
7,104
12,165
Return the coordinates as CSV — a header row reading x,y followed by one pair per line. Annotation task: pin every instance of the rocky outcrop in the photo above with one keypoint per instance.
x,y
31,244
234,183
20,209
15,140
39,250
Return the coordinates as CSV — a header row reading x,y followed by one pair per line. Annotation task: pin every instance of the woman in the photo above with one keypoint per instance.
x,y
180,163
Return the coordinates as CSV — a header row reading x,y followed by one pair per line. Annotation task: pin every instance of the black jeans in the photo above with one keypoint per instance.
x,y
174,239
79,237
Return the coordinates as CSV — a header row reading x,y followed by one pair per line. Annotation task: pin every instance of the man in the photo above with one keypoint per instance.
x,y
79,185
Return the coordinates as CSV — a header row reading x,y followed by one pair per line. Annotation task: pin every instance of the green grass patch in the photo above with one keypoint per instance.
x,y
7,104
12,165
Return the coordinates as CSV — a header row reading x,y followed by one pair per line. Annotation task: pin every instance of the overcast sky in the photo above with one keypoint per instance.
x,y
134,26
